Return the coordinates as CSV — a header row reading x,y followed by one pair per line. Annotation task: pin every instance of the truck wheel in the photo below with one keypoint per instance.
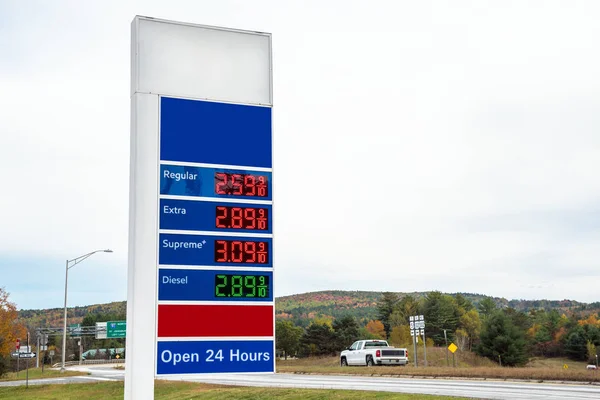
x,y
344,363
370,362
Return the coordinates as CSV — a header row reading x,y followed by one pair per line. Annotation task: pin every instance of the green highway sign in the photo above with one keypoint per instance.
x,y
116,329
75,329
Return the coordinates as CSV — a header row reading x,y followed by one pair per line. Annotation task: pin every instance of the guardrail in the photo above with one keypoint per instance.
x,y
91,362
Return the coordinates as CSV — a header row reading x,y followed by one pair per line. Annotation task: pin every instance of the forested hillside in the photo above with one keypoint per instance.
x,y
322,323
53,317
305,307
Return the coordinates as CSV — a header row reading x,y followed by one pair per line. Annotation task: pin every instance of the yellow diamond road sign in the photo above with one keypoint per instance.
x,y
452,347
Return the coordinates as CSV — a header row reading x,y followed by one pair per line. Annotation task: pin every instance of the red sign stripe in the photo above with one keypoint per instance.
x,y
214,320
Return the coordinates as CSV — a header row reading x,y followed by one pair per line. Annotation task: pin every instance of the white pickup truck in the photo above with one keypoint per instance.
x,y
373,352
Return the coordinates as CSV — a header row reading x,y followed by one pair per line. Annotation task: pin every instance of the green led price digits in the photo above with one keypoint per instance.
x,y
252,286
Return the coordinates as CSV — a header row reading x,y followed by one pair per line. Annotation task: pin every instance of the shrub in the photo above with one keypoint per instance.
x,y
4,366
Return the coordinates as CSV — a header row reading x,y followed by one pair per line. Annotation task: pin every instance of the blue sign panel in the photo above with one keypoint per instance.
x,y
216,236
225,183
211,285
176,249
215,133
190,215
182,357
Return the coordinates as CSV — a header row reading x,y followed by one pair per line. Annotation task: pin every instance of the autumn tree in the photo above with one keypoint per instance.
x,y
471,325
10,328
376,329
545,332
461,337
400,336
591,352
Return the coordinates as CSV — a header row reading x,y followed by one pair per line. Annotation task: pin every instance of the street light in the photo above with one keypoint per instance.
x,y
73,262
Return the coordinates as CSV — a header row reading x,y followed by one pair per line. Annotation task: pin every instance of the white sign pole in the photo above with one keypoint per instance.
x,y
187,61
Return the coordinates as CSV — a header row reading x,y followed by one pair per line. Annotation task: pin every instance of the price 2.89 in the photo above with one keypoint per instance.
x,y
251,218
256,286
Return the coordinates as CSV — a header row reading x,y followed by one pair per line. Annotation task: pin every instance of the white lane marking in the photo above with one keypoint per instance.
x,y
96,378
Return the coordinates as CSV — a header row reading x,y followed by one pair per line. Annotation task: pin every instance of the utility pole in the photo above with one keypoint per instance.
x,y
424,345
80,350
37,350
446,340
18,346
27,373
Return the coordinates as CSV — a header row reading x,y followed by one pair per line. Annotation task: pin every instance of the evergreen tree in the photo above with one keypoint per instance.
x,y
385,307
440,313
486,307
500,337
318,340
347,331
576,344
403,310
463,302
287,337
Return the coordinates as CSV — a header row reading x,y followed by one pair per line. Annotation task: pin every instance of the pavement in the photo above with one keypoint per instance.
x,y
96,373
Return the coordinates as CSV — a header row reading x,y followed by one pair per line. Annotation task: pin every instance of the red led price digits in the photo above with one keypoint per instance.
x,y
240,251
241,184
241,218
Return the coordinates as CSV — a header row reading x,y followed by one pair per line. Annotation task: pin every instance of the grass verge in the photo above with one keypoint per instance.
x,y
542,372
36,373
165,390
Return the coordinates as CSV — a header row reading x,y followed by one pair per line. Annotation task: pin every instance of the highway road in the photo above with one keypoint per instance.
x,y
98,373
448,387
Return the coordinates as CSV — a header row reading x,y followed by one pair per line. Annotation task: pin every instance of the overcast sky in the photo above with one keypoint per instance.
x,y
419,145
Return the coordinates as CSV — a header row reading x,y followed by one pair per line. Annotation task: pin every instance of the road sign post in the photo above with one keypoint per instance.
x,y
27,367
200,287
414,336
446,341
417,327
453,349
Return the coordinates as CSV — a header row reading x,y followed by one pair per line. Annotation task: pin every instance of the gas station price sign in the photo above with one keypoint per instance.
x,y
201,241
215,285
217,216
226,183
243,286
247,185
211,250
215,238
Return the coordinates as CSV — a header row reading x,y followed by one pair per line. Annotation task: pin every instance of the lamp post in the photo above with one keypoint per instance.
x,y
72,263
